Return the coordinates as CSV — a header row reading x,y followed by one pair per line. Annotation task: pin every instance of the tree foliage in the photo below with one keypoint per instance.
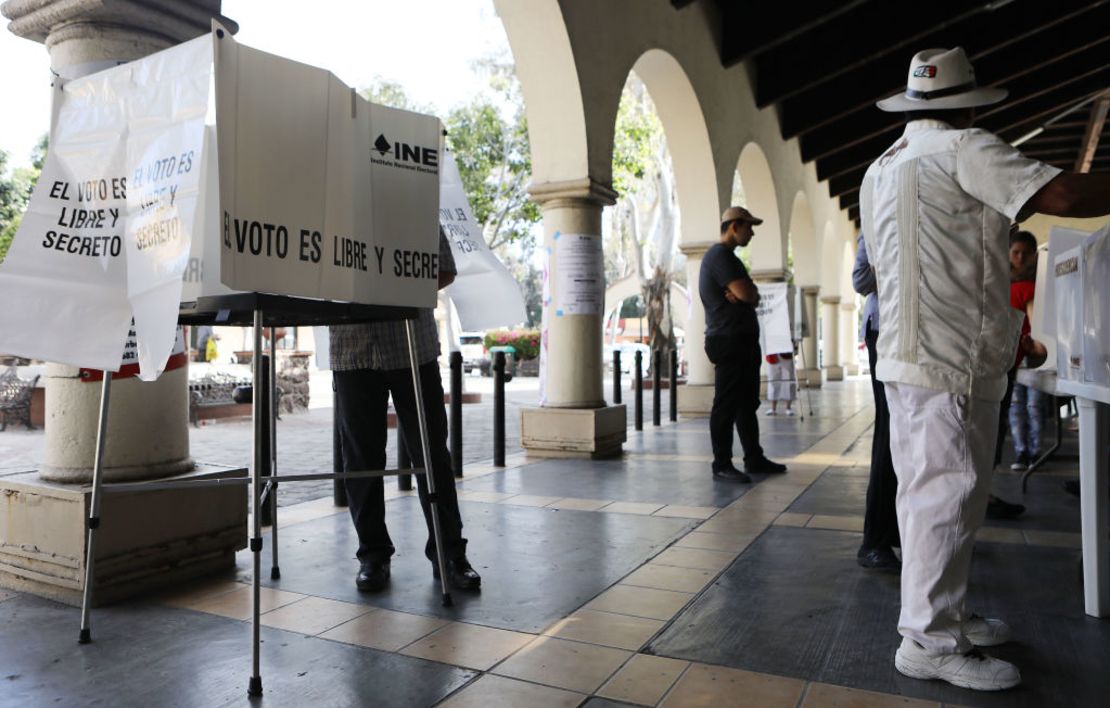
x,y
15,192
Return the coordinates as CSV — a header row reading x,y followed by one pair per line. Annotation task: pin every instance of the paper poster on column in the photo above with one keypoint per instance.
x,y
774,319
545,324
485,294
109,222
580,282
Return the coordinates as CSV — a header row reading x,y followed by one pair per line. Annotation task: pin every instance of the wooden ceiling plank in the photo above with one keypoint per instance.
x,y
1095,125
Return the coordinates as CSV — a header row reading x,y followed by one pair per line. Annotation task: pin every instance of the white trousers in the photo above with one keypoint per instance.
x,y
780,381
942,445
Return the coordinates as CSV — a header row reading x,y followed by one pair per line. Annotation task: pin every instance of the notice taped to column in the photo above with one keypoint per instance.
x,y
579,280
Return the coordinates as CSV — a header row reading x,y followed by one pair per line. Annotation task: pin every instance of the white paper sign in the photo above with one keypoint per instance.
x,y
109,225
579,280
485,294
774,319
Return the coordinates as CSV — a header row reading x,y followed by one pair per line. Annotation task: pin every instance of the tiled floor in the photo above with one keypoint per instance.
x,y
638,581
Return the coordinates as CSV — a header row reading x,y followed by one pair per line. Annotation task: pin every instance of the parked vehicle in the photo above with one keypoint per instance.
x,y
628,355
474,353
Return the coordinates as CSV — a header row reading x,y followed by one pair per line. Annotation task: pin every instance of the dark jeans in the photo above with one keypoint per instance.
x,y
361,399
880,518
735,397
1004,415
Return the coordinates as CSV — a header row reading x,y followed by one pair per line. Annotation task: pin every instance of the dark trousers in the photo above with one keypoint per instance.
x,y
1004,415
880,519
361,399
735,398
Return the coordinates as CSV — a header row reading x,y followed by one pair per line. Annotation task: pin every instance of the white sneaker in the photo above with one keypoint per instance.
x,y
973,670
985,631
771,411
790,412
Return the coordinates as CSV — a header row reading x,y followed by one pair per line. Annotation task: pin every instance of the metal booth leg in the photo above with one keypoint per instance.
x,y
275,569
429,477
258,418
94,508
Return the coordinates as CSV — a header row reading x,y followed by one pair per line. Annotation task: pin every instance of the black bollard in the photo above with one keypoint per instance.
x,y
616,376
455,433
638,377
656,388
404,460
265,441
674,385
338,486
499,409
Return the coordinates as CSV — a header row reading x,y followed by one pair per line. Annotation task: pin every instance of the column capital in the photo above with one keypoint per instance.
x,y
697,249
830,300
810,290
551,194
174,20
848,306
770,275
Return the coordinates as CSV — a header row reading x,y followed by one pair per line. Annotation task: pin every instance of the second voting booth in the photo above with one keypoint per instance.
x,y
212,183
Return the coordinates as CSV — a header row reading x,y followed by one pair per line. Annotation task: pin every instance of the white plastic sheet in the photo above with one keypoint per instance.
x,y
485,293
774,319
109,226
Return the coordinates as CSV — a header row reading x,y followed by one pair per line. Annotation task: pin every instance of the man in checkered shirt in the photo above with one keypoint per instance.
x,y
369,363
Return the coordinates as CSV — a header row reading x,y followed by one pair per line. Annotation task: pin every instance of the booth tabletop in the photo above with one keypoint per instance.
x,y
1043,380
284,311
1082,389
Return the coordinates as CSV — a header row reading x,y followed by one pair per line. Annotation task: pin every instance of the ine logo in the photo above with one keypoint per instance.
x,y
382,145
428,157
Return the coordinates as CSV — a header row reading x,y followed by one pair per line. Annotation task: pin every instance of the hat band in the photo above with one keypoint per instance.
x,y
939,93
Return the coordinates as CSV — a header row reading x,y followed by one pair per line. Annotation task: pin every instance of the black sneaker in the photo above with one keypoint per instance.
x,y
881,559
764,466
372,576
730,474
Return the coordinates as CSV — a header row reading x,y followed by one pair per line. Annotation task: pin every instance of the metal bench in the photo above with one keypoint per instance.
x,y
15,398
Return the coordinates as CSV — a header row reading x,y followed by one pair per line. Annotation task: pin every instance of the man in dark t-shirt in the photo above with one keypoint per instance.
x,y
732,343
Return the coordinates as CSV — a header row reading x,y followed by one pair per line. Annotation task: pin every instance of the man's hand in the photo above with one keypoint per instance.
x,y
730,297
1035,352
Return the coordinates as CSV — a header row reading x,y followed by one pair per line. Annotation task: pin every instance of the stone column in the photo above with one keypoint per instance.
x,y
830,335
695,398
811,374
146,539
573,420
849,338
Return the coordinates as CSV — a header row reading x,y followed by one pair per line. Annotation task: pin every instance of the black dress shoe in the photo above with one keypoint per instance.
x,y
764,466
730,474
460,575
1002,509
881,559
372,576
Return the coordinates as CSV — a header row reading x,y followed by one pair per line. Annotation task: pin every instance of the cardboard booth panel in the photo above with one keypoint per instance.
x,y
322,194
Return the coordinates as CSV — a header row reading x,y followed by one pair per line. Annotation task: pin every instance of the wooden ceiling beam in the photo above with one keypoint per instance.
x,y
1095,125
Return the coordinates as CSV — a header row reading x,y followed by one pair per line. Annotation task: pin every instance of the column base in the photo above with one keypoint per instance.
x,y
695,400
851,370
810,377
834,373
574,432
146,540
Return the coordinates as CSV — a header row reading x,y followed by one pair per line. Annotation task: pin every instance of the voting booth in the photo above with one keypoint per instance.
x,y
212,183
1081,280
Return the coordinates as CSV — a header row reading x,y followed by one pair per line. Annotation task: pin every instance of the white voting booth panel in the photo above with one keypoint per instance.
x,y
1081,290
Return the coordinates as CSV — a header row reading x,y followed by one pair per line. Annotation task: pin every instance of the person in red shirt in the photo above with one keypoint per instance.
x,y
1023,266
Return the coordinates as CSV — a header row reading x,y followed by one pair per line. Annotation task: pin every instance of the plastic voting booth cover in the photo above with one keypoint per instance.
x,y
774,319
229,169
1096,308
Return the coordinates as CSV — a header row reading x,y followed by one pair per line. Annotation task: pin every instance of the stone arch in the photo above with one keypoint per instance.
x,y
683,121
768,248
548,75
803,237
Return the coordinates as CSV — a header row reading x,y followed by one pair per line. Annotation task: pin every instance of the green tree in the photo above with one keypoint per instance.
x,y
15,192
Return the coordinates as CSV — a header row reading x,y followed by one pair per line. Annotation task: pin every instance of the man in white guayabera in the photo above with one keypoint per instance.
x,y
936,211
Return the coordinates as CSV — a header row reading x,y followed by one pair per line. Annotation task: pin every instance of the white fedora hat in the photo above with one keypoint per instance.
x,y
941,79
